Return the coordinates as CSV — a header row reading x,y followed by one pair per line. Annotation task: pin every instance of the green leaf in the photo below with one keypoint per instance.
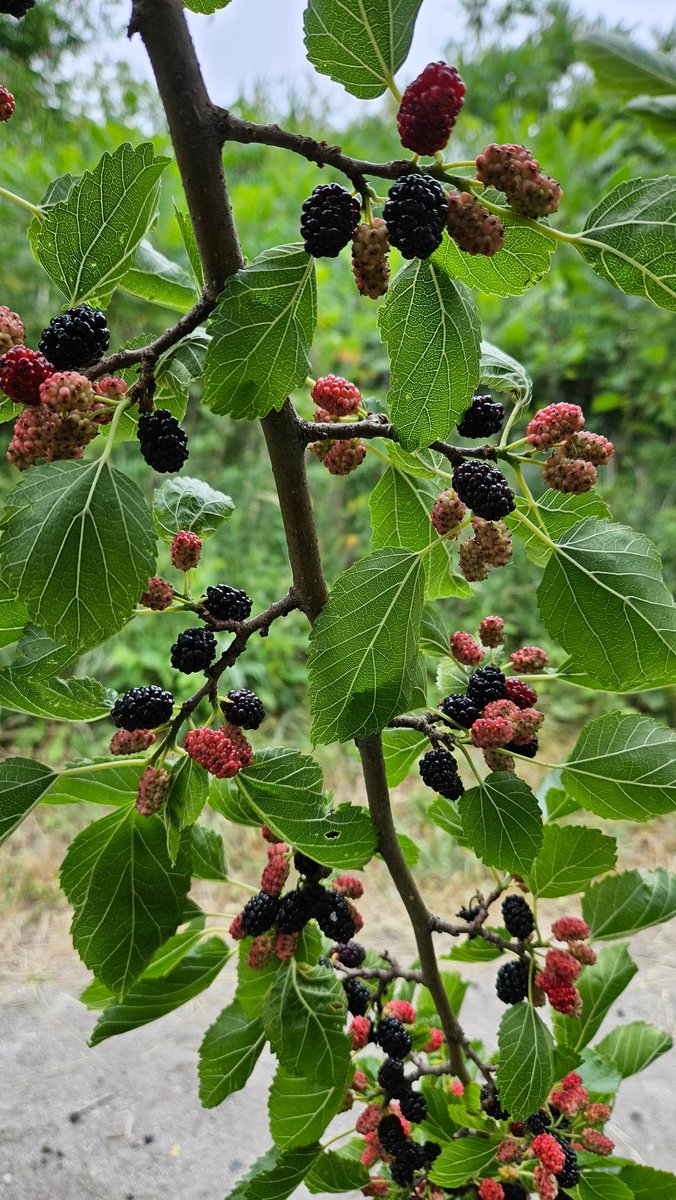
x,y
624,66
400,516
205,7
630,239
303,1016
502,373
445,814
156,278
53,699
438,1123
188,789
170,954
8,410
599,987
262,331
127,897
431,328
523,260
525,1066
208,854
105,782
190,504
558,512
22,785
633,1047
254,985
570,857
283,787
603,598
360,43
502,822
623,766
623,904
276,1174
228,1054
363,658
13,617
401,748
462,1160
191,247
87,241
335,1172
600,1185
477,950
434,639
648,1184
300,1108
226,798
78,547
597,1074
150,999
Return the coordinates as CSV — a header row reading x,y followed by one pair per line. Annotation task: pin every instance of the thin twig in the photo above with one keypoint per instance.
x,y
148,355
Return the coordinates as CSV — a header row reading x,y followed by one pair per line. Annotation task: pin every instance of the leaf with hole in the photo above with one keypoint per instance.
x,y
431,329
363,664
283,788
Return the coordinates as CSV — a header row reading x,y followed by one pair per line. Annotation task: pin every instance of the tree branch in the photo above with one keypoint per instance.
x,y
235,129
148,355
373,765
198,132
424,725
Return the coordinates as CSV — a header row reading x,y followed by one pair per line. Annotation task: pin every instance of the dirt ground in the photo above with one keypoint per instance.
x,y
123,1121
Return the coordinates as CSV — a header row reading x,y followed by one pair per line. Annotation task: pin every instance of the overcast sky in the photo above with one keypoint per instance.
x,y
256,40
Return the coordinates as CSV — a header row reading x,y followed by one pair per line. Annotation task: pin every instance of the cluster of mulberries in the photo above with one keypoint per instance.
x,y
541,1152
274,918
516,172
68,415
562,968
576,453
491,546
336,399
496,713
223,751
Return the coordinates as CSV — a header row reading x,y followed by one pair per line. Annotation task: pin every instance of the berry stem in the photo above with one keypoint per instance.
x,y
529,497
88,768
31,208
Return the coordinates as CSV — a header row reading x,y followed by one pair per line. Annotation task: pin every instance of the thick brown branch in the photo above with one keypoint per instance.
x,y
195,134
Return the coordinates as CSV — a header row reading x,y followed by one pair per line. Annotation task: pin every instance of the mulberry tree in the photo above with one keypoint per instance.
x,y
462,440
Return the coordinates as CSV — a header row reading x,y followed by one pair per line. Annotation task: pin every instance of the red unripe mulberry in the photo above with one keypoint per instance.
x,y
465,649
429,108
186,550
